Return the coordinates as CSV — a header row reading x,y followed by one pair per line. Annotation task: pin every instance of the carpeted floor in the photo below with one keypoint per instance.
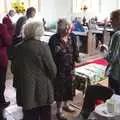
x,y
100,61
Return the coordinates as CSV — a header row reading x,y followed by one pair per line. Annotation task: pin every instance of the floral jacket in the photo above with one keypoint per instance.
x,y
113,56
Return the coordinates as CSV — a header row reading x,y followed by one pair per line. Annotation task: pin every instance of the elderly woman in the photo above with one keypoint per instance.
x,y
34,71
65,53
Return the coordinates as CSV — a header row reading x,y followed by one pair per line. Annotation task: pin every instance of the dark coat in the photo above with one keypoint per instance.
x,y
65,56
34,71
5,42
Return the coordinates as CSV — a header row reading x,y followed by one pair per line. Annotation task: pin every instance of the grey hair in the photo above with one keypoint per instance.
x,y
61,24
33,30
116,14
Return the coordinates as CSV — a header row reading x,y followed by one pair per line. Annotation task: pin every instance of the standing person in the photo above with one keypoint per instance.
x,y
113,56
5,42
17,40
17,36
77,26
31,12
8,21
65,53
34,71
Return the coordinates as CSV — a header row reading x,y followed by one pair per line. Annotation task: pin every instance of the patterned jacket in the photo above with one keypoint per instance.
x,y
64,57
113,56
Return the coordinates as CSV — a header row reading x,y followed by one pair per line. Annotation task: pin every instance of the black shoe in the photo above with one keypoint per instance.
x,y
79,117
85,114
60,116
4,105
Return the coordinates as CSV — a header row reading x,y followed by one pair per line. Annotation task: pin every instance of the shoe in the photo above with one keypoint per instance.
x,y
60,116
85,114
68,109
79,117
4,105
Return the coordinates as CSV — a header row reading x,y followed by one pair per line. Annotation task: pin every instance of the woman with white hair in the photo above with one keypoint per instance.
x,y
65,53
34,71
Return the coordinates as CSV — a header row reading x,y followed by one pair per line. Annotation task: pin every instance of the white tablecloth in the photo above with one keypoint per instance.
x,y
101,111
95,116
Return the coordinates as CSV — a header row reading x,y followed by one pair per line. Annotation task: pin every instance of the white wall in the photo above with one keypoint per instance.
x,y
47,9
100,8
63,8
52,10
107,6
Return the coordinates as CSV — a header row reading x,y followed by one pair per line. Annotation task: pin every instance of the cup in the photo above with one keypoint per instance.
x,y
117,108
111,106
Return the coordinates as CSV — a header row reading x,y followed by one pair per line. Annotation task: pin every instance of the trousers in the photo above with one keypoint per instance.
x,y
39,113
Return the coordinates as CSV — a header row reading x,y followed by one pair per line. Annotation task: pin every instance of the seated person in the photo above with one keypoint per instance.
x,y
77,26
99,39
92,24
84,21
92,94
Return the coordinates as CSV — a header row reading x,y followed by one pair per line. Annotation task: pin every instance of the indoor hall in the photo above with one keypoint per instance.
x,y
91,25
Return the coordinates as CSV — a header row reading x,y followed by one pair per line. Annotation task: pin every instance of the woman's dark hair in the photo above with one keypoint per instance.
x,y
21,21
31,11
